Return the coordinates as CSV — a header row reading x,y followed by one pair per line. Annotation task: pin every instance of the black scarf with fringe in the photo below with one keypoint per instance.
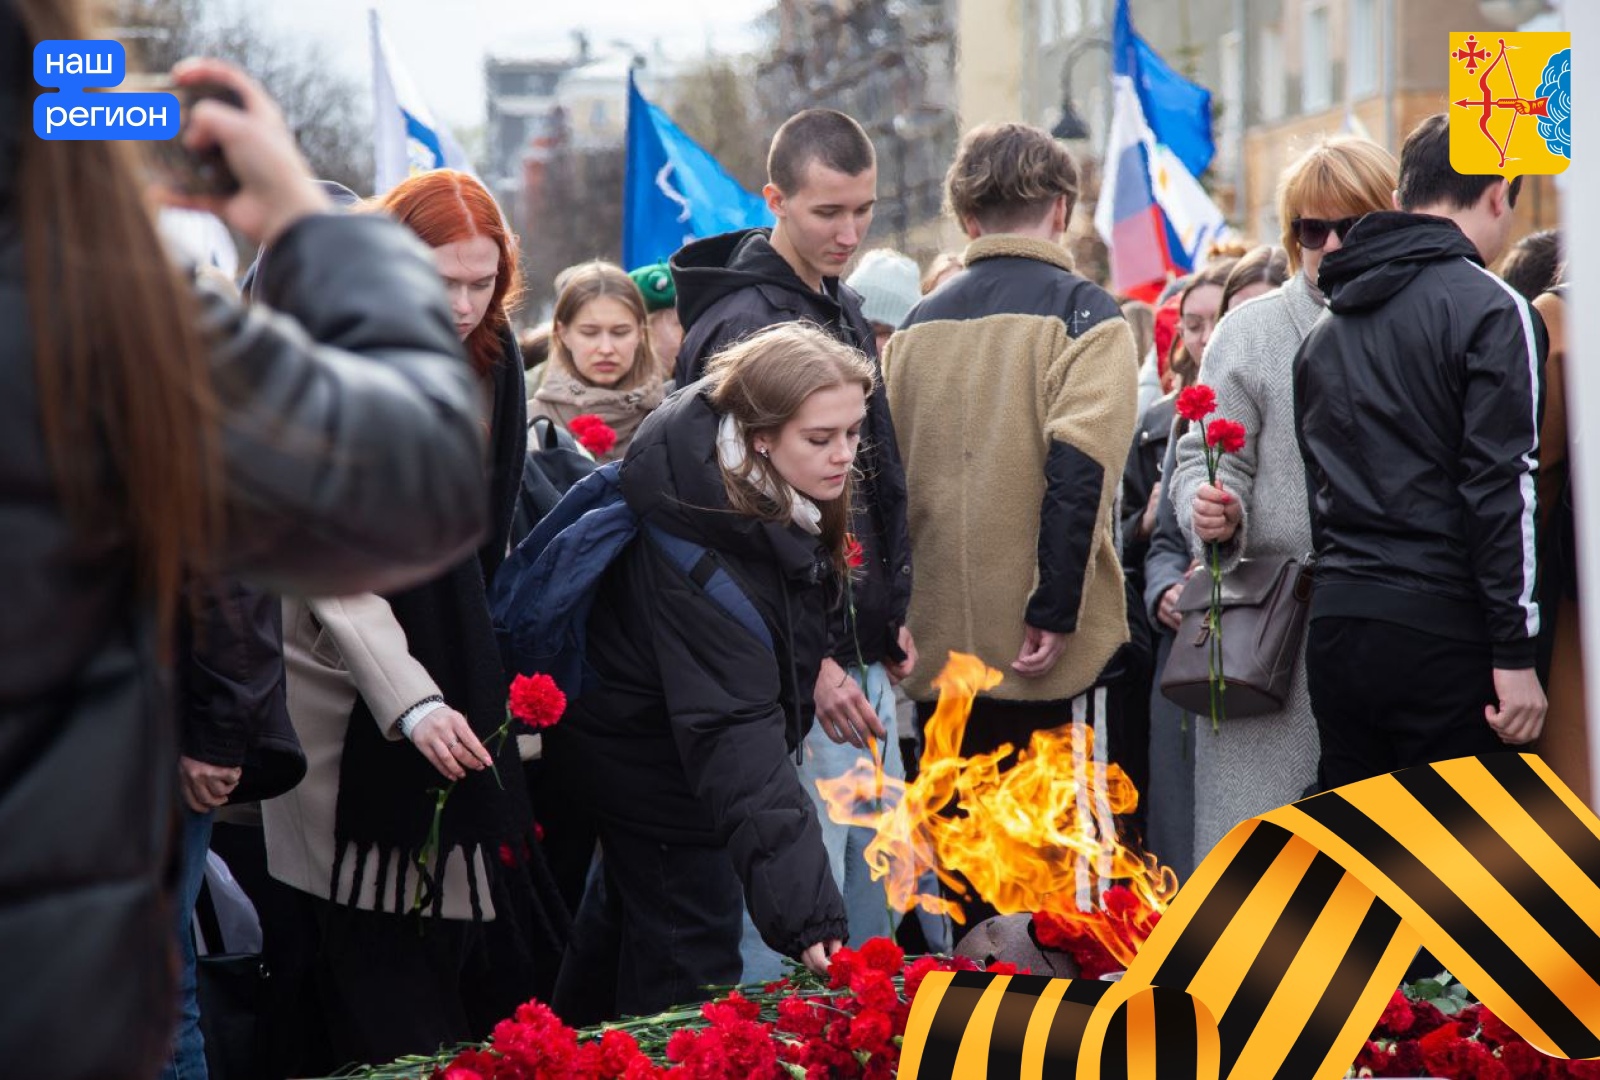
x,y
387,789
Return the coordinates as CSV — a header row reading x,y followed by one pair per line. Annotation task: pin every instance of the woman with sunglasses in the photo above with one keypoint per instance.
x,y
1258,507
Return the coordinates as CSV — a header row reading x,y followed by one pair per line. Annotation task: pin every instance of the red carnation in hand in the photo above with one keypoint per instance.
x,y
853,554
593,433
1197,402
537,701
1225,435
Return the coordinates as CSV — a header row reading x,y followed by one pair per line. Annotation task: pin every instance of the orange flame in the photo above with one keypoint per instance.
x,y
1039,836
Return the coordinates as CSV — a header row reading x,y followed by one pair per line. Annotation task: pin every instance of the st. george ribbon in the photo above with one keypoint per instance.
x,y
1277,957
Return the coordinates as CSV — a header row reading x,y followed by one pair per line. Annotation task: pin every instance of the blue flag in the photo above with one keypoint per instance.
x,y
1153,213
675,191
1177,110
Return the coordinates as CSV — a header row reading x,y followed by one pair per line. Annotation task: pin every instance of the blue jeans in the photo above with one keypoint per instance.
x,y
188,1060
865,901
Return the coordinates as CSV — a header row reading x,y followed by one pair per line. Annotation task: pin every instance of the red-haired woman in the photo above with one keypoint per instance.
x,y
393,697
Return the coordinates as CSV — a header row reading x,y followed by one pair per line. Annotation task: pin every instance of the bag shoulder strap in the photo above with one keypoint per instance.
x,y
707,572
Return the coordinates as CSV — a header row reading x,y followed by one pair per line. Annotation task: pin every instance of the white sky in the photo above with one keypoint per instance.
x,y
443,42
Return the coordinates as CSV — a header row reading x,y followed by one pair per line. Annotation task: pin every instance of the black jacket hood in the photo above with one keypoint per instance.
x,y
671,478
707,270
1383,253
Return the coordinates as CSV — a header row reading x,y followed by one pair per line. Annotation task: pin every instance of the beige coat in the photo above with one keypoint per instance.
x,y
977,402
333,650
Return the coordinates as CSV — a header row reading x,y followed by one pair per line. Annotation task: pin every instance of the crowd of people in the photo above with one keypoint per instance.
x,y
270,546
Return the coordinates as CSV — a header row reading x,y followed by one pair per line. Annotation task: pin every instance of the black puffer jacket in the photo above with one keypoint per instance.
x,y
733,285
1417,406
353,461
689,735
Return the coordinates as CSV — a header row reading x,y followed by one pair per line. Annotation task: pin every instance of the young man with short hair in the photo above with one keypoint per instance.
x,y
1417,408
1013,387
822,187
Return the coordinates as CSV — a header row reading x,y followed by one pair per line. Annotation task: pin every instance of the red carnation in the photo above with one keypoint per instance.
x,y
871,1031
1526,1063
1197,402
884,955
537,701
852,551
593,433
1397,1015
1226,435
918,970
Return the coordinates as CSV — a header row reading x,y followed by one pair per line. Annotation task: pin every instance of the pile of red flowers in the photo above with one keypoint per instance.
x,y
1414,1038
1104,942
593,434
847,1026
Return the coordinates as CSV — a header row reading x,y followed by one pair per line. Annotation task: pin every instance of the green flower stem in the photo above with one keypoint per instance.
x,y
1214,663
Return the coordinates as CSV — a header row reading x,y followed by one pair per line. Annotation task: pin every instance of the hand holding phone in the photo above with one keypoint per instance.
x,y
273,187
201,171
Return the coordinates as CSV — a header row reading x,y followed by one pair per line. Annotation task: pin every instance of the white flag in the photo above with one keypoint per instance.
x,y
406,139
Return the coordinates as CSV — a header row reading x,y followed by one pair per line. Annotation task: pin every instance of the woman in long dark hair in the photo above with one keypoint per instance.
x,y
684,743
150,427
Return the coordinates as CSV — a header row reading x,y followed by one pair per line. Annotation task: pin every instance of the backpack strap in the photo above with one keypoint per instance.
x,y
707,572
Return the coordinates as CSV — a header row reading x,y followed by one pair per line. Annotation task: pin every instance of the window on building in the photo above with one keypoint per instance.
x,y
1073,22
1363,47
1231,63
1272,97
1050,21
1316,58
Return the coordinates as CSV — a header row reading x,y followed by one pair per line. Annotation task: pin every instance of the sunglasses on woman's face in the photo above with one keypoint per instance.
x,y
1313,232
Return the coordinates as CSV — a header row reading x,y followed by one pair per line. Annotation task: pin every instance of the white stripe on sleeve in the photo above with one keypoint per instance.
x,y
1530,566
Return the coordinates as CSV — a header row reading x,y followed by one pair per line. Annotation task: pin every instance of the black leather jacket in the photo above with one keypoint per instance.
x,y
353,462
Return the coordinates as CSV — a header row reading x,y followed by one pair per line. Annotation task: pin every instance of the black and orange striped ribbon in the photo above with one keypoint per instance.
x,y
1275,960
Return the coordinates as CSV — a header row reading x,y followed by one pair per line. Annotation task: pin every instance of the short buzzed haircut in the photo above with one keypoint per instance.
x,y
822,135
1005,176
1426,176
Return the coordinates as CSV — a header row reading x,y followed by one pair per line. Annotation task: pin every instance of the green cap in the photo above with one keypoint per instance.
x,y
655,285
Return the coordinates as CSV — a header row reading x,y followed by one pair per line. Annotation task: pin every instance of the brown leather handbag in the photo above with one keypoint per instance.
x,y
1265,603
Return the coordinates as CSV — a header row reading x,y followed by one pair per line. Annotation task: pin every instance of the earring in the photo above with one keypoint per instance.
x,y
764,451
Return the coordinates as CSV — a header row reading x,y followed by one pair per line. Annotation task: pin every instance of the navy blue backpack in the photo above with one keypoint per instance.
x,y
544,591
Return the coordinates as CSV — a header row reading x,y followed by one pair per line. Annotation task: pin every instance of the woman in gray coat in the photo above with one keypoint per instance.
x,y
1251,765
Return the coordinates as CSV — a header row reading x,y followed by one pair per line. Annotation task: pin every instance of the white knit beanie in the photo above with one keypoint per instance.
x,y
890,286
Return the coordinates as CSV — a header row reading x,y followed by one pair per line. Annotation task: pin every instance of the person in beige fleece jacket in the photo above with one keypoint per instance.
x,y
1013,392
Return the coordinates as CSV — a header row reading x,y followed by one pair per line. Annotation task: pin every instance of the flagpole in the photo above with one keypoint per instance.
x,y
377,100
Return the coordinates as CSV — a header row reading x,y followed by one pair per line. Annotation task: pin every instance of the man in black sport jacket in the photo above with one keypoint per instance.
x,y
1418,404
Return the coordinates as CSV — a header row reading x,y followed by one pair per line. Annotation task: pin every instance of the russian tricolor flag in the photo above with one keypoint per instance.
x,y
1153,214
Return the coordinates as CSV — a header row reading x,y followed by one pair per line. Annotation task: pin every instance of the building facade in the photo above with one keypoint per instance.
x,y
1372,67
1282,74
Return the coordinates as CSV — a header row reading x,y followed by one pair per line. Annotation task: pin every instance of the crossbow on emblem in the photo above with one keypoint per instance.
x,y
1516,104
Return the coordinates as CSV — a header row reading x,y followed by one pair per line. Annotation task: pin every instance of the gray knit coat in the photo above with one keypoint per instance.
x,y
1255,764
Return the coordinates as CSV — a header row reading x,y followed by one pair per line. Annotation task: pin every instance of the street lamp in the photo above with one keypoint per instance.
x,y
1072,125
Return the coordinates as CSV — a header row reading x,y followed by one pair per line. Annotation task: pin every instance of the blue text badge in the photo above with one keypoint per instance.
x,y
73,115
75,65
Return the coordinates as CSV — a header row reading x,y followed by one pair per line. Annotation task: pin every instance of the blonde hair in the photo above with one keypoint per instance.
x,y
762,382
590,281
946,262
1343,172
